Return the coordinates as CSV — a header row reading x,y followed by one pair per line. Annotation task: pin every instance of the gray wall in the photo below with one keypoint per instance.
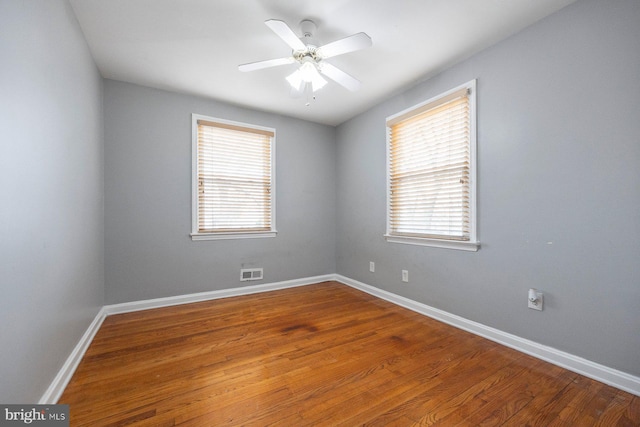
x,y
558,185
149,252
51,190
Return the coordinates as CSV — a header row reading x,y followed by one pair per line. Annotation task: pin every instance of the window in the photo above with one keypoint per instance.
x,y
431,177
232,185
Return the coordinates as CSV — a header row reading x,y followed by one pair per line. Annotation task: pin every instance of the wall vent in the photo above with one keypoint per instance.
x,y
250,274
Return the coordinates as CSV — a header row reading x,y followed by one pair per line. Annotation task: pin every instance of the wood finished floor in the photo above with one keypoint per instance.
x,y
317,355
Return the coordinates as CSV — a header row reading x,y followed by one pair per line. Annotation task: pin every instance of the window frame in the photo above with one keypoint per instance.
x,y
466,245
197,235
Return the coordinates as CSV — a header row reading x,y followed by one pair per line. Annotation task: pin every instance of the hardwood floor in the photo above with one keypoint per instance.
x,y
322,354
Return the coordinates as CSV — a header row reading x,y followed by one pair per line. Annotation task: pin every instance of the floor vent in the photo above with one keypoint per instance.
x,y
250,274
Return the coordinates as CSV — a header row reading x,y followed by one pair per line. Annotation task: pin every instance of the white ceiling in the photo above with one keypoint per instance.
x,y
195,46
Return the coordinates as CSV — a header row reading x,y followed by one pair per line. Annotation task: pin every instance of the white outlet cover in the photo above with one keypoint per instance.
x,y
405,275
372,266
538,304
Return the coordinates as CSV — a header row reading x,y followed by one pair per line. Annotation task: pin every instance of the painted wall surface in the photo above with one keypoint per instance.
x,y
558,186
51,194
149,252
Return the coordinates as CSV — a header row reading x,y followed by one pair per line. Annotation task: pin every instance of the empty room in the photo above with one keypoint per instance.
x,y
329,212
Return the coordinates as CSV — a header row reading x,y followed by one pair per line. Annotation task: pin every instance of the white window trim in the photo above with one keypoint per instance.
x,y
195,235
231,236
435,243
472,244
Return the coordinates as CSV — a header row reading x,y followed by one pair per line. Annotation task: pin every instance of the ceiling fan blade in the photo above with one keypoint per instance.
x,y
283,31
340,77
348,44
252,66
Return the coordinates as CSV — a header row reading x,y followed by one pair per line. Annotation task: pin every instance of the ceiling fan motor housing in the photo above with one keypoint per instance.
x,y
308,28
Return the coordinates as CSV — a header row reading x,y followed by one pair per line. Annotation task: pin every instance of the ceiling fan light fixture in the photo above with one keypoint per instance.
x,y
307,73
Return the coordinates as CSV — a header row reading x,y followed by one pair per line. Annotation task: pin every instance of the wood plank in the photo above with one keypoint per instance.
x,y
323,354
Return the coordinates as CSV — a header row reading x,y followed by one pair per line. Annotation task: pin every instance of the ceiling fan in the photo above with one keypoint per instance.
x,y
308,78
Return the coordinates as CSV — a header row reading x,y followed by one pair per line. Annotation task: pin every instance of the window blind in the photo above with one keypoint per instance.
x,y
234,178
429,170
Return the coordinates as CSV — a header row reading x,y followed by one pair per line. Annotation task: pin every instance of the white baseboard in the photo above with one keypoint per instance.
x,y
210,295
612,377
59,383
596,371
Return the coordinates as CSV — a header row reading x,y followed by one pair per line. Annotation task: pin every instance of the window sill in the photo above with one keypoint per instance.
x,y
232,236
436,243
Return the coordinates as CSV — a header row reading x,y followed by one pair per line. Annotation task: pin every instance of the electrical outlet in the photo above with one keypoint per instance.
x,y
535,300
405,276
372,266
